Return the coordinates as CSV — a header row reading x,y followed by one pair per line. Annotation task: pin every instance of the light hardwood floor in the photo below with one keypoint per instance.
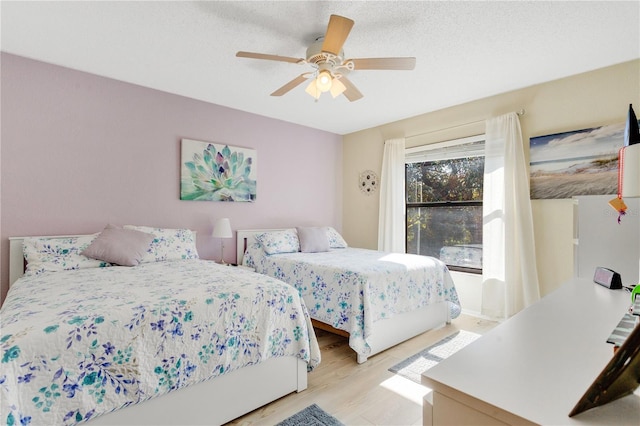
x,y
362,394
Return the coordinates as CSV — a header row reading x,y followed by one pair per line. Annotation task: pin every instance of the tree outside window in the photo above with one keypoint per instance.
x,y
444,208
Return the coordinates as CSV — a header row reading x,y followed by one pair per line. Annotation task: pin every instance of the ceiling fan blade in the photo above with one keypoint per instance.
x,y
290,85
337,32
352,93
383,63
269,57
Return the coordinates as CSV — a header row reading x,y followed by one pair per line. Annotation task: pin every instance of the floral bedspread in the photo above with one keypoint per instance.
x,y
77,344
351,288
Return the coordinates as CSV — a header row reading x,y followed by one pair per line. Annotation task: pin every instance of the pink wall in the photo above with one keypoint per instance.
x,y
80,151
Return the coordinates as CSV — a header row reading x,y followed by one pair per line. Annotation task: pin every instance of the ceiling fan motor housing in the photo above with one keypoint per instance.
x,y
316,56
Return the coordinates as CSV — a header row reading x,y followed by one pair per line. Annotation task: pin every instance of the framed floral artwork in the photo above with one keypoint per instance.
x,y
217,172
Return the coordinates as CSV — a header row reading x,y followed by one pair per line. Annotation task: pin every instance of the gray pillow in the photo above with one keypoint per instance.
x,y
313,240
124,247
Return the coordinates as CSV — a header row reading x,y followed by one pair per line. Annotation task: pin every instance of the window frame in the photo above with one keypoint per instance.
x,y
418,155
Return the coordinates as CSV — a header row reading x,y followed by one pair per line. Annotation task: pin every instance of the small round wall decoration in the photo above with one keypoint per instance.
x,y
368,182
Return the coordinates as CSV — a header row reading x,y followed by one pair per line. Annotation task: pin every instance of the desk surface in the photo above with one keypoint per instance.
x,y
540,362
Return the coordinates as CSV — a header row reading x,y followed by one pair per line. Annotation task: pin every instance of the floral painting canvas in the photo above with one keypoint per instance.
x,y
580,162
217,172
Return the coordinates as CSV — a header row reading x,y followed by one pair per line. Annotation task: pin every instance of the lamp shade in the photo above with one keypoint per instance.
x,y
313,90
630,167
337,88
222,228
323,81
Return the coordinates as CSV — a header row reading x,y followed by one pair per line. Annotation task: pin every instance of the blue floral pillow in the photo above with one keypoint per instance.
x,y
168,244
58,254
335,239
274,242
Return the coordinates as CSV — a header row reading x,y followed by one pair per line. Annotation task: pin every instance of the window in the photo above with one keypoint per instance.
x,y
444,202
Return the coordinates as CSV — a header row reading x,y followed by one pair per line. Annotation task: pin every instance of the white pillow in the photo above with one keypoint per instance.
x,y
168,244
274,242
58,254
335,239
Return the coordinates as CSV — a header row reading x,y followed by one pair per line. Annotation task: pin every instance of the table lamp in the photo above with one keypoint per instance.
x,y
222,229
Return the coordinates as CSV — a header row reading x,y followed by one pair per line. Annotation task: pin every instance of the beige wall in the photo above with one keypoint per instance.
x,y
586,100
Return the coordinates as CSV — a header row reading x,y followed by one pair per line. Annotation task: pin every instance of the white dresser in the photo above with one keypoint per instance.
x,y
534,367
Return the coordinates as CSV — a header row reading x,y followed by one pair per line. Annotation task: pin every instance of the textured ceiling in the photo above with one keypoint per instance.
x,y
464,50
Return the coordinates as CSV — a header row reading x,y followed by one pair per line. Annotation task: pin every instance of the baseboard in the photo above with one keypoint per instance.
x,y
478,315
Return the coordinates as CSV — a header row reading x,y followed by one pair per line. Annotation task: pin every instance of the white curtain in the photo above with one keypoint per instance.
x,y
391,222
509,274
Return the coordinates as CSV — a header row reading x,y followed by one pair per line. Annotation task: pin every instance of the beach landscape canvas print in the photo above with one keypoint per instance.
x,y
580,162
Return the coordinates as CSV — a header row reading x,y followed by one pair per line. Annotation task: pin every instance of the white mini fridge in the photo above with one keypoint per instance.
x,y
599,240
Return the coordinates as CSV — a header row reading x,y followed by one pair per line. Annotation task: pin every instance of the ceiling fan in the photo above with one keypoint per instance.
x,y
330,68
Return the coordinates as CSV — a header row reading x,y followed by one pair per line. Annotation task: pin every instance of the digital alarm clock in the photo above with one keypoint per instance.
x,y
607,278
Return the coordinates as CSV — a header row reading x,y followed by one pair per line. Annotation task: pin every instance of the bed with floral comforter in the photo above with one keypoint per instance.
x,y
80,343
351,288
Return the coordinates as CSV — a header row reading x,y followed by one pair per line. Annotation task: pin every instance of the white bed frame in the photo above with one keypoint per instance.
x,y
212,402
386,333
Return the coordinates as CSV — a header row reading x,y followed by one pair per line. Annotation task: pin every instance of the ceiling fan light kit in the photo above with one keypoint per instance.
x,y
323,81
326,56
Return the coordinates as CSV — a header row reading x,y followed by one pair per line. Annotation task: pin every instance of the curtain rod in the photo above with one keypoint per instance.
x,y
520,113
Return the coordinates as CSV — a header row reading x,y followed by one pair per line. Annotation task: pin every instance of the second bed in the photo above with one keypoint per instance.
x,y
377,299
